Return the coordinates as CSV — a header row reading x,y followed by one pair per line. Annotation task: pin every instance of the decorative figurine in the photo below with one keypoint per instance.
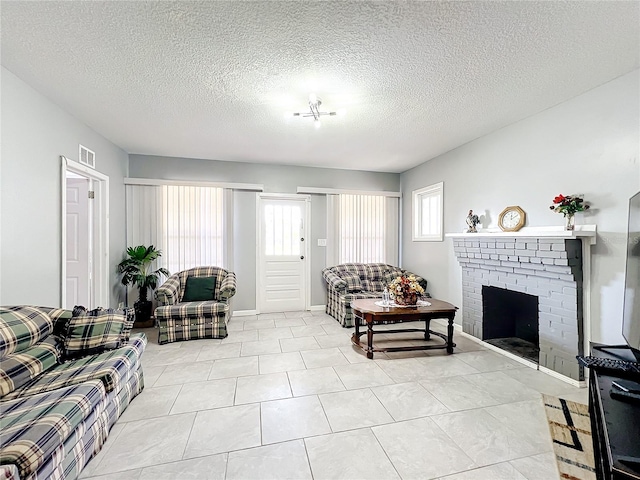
x,y
472,221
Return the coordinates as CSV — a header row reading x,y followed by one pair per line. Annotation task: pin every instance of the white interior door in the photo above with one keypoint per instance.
x,y
282,255
78,242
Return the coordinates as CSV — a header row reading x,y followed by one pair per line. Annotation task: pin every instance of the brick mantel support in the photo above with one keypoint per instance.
x,y
553,265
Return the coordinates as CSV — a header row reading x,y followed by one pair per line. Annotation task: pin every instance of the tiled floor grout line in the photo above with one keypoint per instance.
x,y
235,391
385,452
184,449
306,451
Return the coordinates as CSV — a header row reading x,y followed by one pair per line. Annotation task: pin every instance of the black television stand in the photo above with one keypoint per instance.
x,y
615,423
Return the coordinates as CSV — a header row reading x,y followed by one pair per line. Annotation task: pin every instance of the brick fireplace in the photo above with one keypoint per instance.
x,y
550,266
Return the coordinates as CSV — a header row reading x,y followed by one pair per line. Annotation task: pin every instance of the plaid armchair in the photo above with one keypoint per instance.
x,y
351,281
178,320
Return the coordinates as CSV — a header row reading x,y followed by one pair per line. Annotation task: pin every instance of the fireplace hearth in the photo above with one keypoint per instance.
x,y
527,350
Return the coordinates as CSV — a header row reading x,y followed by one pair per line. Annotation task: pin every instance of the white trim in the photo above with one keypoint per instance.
x,y
586,294
255,187
581,231
244,313
337,191
317,308
307,253
100,225
228,253
559,376
82,169
437,189
283,196
258,244
535,366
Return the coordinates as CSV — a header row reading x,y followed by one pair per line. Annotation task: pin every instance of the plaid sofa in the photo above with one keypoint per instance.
x,y
55,417
351,281
178,320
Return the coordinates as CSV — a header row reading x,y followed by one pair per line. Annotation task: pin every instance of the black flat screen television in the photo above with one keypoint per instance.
x,y
631,315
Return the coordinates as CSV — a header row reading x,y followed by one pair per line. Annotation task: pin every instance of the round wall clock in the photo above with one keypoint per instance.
x,y
512,219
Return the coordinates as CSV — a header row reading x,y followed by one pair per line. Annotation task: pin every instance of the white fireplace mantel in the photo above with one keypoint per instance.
x,y
581,231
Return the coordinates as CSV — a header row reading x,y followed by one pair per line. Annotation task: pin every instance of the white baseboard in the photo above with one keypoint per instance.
x,y
244,313
247,313
559,376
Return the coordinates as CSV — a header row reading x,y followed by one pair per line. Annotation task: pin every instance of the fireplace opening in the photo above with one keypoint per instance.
x,y
510,321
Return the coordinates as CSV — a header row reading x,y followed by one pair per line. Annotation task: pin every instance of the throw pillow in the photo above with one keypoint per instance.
x,y
18,369
93,332
199,289
22,327
128,313
353,282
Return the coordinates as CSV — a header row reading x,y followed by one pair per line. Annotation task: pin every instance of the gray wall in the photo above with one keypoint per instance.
x,y
35,132
276,179
588,145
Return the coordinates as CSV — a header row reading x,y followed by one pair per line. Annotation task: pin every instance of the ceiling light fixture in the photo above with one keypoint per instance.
x,y
314,109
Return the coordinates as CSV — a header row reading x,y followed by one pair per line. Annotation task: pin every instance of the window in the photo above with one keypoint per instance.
x,y
187,223
193,227
282,229
362,228
427,213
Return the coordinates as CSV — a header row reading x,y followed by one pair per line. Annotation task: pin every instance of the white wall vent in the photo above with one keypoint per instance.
x,y
87,157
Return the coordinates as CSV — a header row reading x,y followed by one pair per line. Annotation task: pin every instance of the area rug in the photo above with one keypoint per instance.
x,y
571,434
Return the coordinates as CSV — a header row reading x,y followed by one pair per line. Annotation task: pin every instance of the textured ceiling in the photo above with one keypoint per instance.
x,y
213,79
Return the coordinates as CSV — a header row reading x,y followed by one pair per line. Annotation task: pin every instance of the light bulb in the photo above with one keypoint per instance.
x,y
313,98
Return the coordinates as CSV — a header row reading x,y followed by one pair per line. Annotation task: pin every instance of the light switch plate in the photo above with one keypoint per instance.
x,y
322,242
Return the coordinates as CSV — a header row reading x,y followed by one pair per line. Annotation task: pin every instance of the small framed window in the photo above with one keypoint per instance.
x,y
427,213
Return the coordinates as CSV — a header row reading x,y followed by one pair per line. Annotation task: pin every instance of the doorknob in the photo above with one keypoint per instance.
x,y
301,257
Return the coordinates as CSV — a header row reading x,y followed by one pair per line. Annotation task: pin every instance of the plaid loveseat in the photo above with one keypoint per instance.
x,y
178,320
351,281
58,405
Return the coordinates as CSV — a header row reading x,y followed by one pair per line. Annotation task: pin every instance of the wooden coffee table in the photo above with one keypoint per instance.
x,y
370,314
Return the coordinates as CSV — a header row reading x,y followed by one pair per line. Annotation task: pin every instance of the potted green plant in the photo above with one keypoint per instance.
x,y
135,270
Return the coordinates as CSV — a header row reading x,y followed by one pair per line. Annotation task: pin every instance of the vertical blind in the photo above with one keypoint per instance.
x,y
193,226
186,222
362,228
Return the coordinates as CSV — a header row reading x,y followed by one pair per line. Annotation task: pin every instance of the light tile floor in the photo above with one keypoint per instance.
x,y
286,396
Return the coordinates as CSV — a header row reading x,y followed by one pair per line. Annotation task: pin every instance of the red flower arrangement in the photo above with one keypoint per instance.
x,y
569,205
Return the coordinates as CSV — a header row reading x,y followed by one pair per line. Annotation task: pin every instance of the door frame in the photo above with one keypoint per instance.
x,y
305,247
99,225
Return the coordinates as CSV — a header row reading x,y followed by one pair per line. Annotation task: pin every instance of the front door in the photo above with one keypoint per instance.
x,y
78,242
282,254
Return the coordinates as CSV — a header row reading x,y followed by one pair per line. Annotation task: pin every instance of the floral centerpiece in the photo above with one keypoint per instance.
x,y
405,290
568,206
